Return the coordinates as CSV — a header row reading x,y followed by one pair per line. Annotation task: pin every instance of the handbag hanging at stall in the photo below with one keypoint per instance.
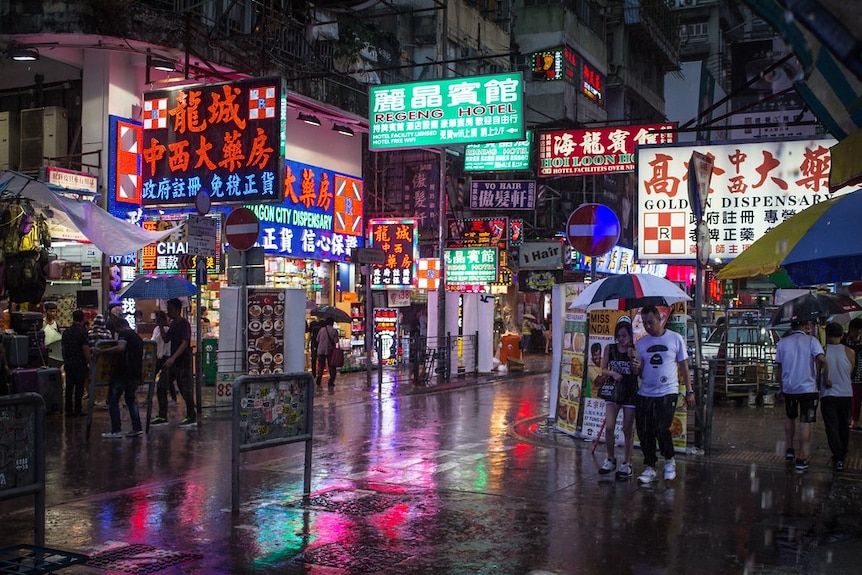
x,y
336,354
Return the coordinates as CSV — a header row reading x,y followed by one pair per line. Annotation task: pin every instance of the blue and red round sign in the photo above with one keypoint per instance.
x,y
593,229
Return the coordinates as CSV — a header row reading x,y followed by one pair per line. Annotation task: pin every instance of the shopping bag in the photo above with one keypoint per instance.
x,y
612,390
336,357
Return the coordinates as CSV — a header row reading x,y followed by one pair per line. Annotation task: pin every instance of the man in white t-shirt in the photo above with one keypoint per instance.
x,y
800,365
661,356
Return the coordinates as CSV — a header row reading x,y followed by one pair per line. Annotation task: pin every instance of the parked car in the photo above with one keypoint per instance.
x,y
740,342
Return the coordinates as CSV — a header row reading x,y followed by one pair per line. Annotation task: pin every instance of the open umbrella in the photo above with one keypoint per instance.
x,y
529,316
159,287
629,291
327,311
814,306
815,246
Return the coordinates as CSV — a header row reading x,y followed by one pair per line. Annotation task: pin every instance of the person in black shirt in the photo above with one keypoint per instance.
x,y
76,359
125,379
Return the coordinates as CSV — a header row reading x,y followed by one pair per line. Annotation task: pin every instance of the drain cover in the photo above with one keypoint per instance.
x,y
347,502
355,558
32,559
140,559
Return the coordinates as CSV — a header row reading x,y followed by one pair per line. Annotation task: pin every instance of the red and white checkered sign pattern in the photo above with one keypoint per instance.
x,y
156,114
428,273
664,233
261,103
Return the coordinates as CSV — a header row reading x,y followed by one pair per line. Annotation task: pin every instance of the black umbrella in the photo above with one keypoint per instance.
x,y
327,311
814,306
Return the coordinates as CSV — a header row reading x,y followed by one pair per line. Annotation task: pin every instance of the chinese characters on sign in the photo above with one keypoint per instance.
x,y
399,240
470,266
226,139
548,65
443,112
754,187
419,182
498,156
596,151
319,218
502,195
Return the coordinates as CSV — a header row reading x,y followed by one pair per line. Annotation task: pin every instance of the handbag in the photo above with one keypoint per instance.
x,y
612,390
336,354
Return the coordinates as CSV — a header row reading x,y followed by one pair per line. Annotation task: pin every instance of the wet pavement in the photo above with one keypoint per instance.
x,y
460,478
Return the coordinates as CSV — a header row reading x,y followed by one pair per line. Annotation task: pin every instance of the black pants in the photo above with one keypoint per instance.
x,y
653,416
836,419
76,379
323,361
182,373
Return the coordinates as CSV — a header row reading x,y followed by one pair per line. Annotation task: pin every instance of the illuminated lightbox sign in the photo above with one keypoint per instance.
x,y
502,194
399,240
471,265
172,254
548,65
498,156
444,112
599,150
319,218
226,139
754,187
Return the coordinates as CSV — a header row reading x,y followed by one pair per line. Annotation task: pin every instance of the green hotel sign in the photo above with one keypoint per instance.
x,y
471,265
446,112
498,156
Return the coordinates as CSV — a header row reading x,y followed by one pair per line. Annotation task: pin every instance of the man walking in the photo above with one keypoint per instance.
x,y
179,364
800,364
76,358
853,340
661,357
125,379
836,394
327,340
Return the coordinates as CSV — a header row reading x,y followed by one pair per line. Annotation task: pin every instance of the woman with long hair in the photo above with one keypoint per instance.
x,y
616,364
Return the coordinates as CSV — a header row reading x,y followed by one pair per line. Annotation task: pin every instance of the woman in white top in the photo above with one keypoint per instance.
x,y
836,394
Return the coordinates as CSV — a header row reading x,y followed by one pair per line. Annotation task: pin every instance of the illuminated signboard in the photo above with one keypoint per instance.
x,y
502,194
571,72
125,141
597,151
471,265
444,112
592,83
478,232
548,65
319,218
754,187
171,255
428,273
400,242
226,139
498,156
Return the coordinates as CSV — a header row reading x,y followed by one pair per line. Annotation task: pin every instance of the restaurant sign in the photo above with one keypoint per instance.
x,y
445,112
754,187
320,217
226,139
598,150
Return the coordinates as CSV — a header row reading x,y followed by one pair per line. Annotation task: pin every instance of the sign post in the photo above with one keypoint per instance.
x,y
365,257
241,229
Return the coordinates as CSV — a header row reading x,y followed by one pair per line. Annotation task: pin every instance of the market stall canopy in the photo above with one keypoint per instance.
x,y
113,236
813,247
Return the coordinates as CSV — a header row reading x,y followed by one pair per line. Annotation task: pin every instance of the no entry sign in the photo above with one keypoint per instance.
x,y
241,229
593,229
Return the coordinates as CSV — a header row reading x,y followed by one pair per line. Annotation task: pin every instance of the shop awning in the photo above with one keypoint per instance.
x,y
113,236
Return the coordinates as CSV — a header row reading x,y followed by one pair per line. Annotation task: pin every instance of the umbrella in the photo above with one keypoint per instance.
x,y
159,287
529,316
629,291
814,246
327,311
814,306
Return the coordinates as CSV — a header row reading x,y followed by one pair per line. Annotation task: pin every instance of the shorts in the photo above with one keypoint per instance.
x,y
801,405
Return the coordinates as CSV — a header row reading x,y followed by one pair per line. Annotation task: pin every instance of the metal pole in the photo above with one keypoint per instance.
x,y
201,268
369,332
441,246
243,308
699,418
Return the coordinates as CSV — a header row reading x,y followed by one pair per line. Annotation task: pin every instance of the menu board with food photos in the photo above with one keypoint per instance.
x,y
265,352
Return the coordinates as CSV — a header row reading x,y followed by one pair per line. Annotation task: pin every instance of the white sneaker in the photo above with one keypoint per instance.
x,y
608,466
625,471
669,469
648,476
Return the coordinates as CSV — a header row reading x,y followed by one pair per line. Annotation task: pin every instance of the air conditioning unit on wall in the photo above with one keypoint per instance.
x,y
8,141
44,134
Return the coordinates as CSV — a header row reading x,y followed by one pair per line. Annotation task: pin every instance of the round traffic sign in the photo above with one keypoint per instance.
x,y
241,229
203,202
593,229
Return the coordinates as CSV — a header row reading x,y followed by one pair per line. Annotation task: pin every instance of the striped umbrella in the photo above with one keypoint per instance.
x,y
629,291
